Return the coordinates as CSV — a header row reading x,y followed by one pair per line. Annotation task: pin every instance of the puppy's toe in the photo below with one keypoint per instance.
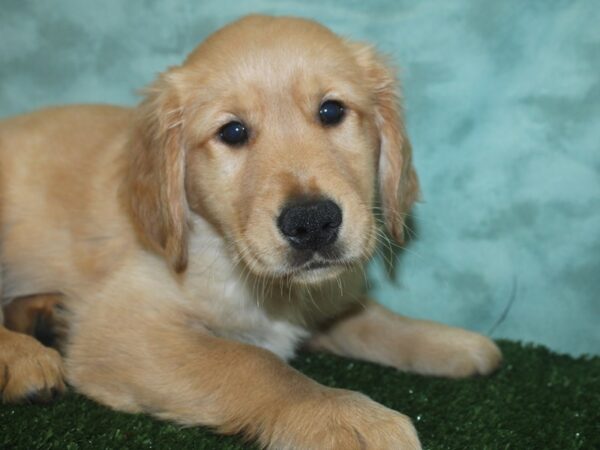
x,y
42,396
30,371
487,357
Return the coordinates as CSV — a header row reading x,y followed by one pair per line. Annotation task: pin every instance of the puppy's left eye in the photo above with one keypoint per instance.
x,y
331,112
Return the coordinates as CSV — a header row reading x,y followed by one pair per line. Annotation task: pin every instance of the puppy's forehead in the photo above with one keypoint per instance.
x,y
262,63
275,47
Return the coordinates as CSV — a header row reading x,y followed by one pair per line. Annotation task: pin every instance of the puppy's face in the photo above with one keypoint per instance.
x,y
282,128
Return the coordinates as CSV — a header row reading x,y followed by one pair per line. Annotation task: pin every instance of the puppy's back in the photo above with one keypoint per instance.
x,y
60,217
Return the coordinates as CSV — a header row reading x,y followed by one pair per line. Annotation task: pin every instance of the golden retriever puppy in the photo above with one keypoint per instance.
x,y
200,238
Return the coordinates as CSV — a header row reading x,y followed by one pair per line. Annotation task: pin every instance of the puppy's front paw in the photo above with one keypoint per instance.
x,y
481,357
29,372
455,353
344,420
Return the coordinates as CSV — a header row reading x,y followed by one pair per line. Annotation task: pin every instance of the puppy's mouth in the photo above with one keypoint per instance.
x,y
316,271
317,266
307,260
302,267
313,265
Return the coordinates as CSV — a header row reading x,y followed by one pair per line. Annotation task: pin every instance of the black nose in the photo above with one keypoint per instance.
x,y
310,224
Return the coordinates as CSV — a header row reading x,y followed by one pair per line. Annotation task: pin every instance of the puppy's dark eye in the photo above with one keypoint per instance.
x,y
331,112
234,133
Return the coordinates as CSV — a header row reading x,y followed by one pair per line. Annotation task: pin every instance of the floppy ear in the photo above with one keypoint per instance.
x,y
398,182
156,173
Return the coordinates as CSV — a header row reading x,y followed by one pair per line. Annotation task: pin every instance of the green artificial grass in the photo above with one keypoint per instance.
x,y
538,400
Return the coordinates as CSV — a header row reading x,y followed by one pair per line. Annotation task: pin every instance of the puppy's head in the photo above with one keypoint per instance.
x,y
277,132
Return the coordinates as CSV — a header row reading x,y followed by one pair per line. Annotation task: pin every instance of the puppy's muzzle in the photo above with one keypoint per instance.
x,y
310,224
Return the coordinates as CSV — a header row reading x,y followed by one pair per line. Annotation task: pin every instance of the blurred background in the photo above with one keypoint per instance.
x,y
503,107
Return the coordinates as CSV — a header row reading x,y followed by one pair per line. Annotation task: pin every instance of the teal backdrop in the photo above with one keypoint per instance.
x,y
503,108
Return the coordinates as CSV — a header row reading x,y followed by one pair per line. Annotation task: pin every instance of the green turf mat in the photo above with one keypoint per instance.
x,y
538,400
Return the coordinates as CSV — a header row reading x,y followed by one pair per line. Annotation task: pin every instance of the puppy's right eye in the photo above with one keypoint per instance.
x,y
234,133
331,112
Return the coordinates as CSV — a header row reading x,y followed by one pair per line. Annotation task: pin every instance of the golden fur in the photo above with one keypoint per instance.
x,y
162,242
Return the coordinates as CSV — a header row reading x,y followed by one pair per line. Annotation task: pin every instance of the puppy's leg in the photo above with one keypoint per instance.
x,y
28,370
144,358
36,316
375,334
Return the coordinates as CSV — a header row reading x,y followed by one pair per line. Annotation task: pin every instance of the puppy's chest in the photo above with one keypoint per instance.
x,y
239,315
232,306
